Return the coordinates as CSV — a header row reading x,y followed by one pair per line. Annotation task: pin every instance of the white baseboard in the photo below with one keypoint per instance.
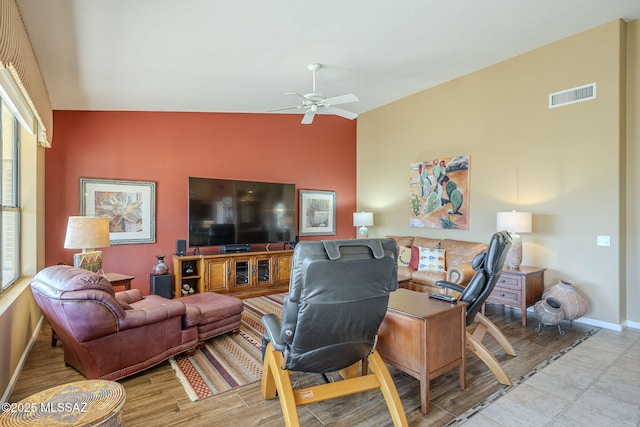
x,y
599,323
632,324
23,360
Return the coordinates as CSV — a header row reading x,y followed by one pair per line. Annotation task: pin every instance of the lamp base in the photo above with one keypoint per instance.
x,y
514,256
91,260
363,232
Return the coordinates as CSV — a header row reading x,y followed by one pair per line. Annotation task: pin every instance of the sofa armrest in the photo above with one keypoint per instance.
x,y
460,274
129,296
140,316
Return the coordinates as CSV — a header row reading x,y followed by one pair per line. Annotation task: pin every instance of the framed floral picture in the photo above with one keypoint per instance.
x,y
317,213
129,205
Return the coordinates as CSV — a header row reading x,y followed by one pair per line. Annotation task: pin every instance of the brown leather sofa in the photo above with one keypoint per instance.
x,y
107,335
458,257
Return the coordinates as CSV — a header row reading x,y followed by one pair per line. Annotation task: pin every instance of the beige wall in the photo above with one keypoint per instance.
x,y
561,164
633,175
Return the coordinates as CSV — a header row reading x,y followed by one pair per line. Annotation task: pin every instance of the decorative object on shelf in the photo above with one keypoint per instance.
x,y
574,304
548,311
87,233
363,220
130,207
187,289
188,270
160,267
514,222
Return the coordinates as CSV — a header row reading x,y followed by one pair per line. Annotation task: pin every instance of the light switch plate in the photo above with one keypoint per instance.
x,y
603,241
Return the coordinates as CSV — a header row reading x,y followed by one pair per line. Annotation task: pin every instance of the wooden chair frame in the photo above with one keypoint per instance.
x,y
276,380
475,334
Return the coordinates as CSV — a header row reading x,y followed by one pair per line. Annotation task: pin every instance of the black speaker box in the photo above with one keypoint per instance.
x,y
230,249
160,284
181,247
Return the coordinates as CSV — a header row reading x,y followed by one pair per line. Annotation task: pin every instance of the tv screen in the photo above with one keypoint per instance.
x,y
223,211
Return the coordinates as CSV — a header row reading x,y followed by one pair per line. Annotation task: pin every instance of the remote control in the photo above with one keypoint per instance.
x,y
443,297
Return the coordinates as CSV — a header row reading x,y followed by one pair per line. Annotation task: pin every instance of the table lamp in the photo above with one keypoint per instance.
x,y
87,233
363,220
514,222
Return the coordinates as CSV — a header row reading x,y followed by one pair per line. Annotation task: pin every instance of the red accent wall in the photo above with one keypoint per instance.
x,y
168,147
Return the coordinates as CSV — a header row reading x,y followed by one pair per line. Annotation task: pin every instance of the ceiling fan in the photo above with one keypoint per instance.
x,y
316,103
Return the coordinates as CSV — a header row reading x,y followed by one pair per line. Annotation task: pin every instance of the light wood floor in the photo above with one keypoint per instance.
x,y
156,397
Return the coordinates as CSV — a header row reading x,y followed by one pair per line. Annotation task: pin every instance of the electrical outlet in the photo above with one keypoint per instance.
x,y
603,241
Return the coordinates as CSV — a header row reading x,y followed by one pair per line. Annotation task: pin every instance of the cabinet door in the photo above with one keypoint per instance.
x,y
217,275
283,269
263,271
241,273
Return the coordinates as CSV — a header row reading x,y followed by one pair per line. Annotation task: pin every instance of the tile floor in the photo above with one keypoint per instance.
x,y
597,383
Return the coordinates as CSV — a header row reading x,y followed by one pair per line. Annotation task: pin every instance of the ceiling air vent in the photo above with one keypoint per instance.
x,y
573,95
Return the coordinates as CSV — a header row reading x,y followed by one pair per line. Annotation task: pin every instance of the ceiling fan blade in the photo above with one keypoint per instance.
x,y
343,99
285,108
296,94
342,113
308,116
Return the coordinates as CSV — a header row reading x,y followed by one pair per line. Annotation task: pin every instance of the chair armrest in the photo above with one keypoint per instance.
x,y
449,285
130,296
140,316
272,330
460,274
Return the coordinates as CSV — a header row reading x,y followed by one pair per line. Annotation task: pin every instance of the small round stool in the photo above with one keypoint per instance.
x,y
80,403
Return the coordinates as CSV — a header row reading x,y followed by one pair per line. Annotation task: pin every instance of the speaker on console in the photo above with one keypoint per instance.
x,y
160,284
293,243
181,247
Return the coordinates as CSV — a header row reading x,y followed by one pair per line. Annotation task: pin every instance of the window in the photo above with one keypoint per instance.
x,y
9,177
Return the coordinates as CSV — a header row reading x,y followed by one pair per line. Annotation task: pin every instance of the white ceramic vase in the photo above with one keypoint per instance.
x,y
574,304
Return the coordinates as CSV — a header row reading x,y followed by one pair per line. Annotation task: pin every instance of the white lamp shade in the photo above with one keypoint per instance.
x,y
362,219
514,222
87,232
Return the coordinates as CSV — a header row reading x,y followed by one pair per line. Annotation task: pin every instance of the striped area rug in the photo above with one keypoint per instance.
x,y
228,361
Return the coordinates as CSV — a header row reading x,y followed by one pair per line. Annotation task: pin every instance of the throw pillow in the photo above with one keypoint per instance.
x,y
404,256
431,260
415,257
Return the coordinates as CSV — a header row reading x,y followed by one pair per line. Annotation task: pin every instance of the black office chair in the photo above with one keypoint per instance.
x,y
488,266
338,296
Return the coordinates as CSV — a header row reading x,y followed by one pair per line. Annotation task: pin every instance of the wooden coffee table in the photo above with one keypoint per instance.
x,y
423,337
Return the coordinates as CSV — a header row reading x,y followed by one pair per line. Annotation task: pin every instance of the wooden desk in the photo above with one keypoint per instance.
x,y
117,279
423,337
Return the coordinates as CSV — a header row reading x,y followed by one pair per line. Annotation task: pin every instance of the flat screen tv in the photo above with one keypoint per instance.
x,y
225,212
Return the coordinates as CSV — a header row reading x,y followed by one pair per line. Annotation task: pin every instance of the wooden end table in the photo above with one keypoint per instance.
x,y
518,287
117,279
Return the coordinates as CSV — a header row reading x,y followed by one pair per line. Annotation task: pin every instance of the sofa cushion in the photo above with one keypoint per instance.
x,y
431,260
404,256
425,242
403,240
428,277
461,252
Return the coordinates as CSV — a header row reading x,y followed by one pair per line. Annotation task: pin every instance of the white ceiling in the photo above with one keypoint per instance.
x,y
243,55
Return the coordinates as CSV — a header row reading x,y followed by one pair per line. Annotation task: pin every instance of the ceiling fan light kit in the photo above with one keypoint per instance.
x,y
316,103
